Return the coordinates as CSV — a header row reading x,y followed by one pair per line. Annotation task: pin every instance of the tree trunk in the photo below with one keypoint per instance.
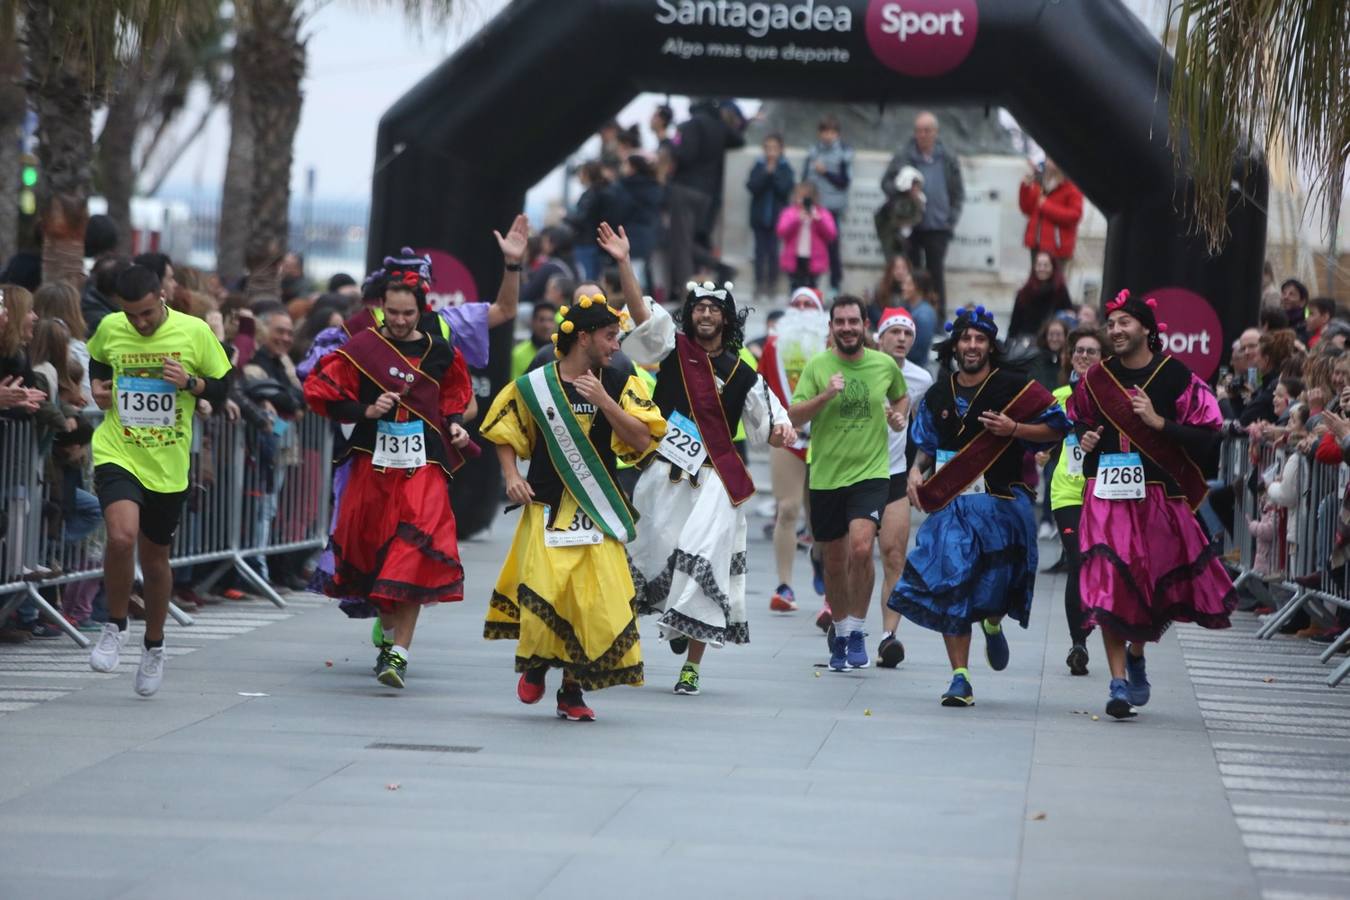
x,y
62,87
273,59
13,102
236,193
116,174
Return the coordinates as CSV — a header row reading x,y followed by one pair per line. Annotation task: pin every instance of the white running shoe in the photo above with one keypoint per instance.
x,y
151,672
106,653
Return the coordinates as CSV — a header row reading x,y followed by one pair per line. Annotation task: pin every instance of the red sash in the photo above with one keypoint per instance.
x,y
360,321
979,454
1113,400
375,357
705,407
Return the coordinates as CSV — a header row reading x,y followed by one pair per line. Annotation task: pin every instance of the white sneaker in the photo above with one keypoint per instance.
x,y
1047,531
104,657
151,672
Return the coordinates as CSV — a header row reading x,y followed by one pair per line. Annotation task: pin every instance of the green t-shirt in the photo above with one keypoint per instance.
x,y
157,454
521,356
849,441
1065,489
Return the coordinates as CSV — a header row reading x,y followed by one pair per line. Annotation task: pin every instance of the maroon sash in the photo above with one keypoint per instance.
x,y
1113,400
375,357
359,322
979,454
705,408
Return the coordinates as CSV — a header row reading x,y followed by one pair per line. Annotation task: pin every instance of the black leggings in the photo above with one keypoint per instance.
x,y
1066,520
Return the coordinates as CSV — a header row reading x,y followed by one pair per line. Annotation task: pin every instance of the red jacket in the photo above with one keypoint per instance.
x,y
1054,227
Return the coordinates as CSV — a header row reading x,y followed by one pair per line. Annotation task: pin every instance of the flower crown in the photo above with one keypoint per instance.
x,y
1124,297
588,313
708,289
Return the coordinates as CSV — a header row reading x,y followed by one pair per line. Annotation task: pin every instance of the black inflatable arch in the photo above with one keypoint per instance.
x,y
456,154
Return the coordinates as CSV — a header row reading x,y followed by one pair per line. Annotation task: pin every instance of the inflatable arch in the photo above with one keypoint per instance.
x,y
456,154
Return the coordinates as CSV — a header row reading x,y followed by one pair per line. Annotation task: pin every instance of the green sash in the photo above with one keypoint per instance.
x,y
573,455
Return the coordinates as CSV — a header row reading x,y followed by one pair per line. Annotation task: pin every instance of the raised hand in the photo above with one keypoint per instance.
x,y
614,243
517,237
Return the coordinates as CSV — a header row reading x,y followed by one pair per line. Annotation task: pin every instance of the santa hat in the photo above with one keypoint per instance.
x,y
895,317
810,295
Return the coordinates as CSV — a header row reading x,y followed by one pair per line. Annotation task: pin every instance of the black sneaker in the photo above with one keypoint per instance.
x,y
890,652
379,657
1077,660
393,668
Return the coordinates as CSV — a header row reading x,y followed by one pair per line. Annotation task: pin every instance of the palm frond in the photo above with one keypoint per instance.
x,y
1249,73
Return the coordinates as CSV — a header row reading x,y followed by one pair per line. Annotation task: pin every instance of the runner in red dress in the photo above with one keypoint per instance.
x,y
394,542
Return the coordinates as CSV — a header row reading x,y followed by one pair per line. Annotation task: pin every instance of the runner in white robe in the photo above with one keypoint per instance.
x,y
689,560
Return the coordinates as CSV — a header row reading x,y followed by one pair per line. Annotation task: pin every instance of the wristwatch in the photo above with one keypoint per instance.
x,y
191,385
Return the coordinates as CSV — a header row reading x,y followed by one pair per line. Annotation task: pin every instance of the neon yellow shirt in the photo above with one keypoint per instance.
x,y
156,454
1065,489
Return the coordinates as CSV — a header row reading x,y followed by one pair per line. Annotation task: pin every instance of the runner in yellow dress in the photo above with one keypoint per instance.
x,y
565,592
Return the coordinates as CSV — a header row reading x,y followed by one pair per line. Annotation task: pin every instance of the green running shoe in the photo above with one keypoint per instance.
x,y
377,635
688,680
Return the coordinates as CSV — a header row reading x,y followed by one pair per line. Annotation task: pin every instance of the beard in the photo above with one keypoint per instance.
x,y
971,367
847,347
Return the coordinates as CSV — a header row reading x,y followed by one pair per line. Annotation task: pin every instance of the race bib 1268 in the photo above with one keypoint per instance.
x,y
400,445
146,402
683,445
1120,476
945,456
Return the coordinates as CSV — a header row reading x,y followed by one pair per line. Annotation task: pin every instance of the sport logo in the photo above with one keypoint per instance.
x,y
922,38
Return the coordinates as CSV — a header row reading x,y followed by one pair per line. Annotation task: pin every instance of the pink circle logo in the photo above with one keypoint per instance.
x,y
922,38
452,283
1194,334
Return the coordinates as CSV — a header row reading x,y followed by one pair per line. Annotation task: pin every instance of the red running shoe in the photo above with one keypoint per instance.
x,y
783,600
530,688
825,619
572,705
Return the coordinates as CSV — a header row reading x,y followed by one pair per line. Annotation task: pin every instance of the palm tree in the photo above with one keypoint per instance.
x,y
1255,74
72,47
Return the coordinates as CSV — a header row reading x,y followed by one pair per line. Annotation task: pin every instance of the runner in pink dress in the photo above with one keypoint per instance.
x,y
1144,420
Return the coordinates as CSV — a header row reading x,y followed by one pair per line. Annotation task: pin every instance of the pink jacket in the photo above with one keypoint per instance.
x,y
823,231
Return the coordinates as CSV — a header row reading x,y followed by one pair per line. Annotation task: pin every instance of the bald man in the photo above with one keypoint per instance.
x,y
944,189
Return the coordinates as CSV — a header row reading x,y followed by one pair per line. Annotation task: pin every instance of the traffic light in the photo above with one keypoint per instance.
x,y
28,179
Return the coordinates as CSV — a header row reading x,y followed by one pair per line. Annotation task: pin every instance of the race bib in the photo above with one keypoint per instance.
x,y
581,531
1120,476
146,402
944,457
1073,456
683,445
400,445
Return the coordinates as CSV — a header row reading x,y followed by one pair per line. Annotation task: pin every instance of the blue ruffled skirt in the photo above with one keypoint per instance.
x,y
973,559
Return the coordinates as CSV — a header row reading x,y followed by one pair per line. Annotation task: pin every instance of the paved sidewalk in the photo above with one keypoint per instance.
x,y
780,780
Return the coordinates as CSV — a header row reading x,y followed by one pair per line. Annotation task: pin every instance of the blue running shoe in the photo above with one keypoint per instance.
x,y
857,651
839,655
818,576
1137,680
959,694
996,649
1119,706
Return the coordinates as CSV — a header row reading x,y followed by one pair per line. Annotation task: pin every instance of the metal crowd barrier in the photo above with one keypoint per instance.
x,y
1306,525
248,498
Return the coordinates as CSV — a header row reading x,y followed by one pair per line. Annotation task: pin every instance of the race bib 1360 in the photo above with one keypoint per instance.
x,y
146,402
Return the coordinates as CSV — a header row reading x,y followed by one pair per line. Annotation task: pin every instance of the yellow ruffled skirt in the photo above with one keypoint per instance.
x,y
568,607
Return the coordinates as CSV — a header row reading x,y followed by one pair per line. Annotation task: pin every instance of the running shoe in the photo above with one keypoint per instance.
x,y
1077,660
1118,704
393,669
783,600
688,680
106,653
960,693
857,651
817,575
839,654
679,644
150,673
530,687
572,705
377,635
1046,532
1137,680
996,649
824,618
890,652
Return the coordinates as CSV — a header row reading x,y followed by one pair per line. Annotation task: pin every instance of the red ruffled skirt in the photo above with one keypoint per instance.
x,y
395,538
1147,564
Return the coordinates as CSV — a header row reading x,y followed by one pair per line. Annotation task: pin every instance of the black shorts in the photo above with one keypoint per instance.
x,y
899,487
159,512
833,510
